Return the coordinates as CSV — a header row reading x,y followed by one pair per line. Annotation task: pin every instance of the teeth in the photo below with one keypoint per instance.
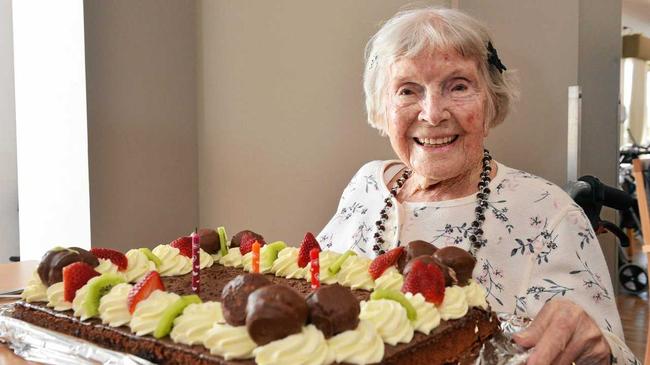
x,y
436,141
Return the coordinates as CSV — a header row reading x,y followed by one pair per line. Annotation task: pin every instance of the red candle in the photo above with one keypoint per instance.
x,y
315,268
196,263
256,257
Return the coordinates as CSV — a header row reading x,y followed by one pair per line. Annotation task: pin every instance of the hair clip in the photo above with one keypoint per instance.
x,y
493,58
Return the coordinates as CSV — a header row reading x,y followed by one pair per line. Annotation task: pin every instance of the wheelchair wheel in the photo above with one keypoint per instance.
x,y
633,278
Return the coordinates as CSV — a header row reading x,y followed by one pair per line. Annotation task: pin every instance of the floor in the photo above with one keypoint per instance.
x,y
634,315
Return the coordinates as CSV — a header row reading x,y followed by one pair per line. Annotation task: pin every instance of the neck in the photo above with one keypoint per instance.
x,y
422,188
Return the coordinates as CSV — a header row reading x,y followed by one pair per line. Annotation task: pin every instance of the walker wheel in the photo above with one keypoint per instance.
x,y
633,278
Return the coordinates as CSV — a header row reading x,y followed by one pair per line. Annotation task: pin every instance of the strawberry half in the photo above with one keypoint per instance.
x,y
184,245
143,288
308,244
383,262
246,242
75,276
426,279
116,257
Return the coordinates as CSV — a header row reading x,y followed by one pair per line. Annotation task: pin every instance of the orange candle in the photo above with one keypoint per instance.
x,y
256,257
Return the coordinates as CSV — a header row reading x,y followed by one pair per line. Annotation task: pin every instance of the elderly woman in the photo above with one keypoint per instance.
x,y
435,85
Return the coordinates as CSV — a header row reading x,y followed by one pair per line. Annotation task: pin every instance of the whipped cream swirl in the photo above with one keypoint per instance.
x,y
390,320
354,273
55,297
139,265
197,319
362,345
428,316
475,295
325,260
173,263
229,342
390,279
107,267
307,347
35,291
232,259
455,304
147,313
286,265
113,307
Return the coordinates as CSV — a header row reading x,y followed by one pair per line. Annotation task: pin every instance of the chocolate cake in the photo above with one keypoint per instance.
x,y
448,342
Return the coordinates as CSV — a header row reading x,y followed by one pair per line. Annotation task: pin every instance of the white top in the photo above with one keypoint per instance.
x,y
539,245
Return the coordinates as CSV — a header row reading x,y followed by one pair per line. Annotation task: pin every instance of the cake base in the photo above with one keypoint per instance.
x,y
448,343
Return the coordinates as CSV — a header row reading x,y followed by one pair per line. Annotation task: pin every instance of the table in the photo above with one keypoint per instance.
x,y
14,276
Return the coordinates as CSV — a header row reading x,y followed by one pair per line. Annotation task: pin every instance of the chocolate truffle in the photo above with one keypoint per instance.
x,y
333,309
459,260
209,239
50,270
234,296
449,274
235,241
274,312
413,250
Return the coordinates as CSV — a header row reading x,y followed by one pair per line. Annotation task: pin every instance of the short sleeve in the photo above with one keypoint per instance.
x,y
350,226
569,263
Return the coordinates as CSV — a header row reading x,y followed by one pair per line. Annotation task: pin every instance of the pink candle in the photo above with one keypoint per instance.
x,y
256,257
196,263
315,268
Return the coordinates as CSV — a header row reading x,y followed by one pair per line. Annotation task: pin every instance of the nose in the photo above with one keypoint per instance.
x,y
433,109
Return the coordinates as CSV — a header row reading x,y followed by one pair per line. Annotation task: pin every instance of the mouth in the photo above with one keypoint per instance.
x,y
436,142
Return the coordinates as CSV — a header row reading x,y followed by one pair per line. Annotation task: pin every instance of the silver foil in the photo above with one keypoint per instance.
x,y
48,347
41,345
501,349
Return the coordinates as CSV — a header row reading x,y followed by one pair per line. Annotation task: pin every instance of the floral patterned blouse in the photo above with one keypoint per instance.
x,y
538,244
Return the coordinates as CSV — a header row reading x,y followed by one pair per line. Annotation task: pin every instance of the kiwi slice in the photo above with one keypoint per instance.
x,y
336,266
223,241
411,313
151,256
97,288
270,253
171,312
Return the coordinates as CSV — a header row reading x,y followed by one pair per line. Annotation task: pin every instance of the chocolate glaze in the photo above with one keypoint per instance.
x,y
50,269
412,250
274,312
459,260
235,241
449,274
235,294
209,239
333,309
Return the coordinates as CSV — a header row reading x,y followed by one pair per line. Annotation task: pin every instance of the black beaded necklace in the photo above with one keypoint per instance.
x,y
476,238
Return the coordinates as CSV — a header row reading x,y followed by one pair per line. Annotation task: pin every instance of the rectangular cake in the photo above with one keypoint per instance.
x,y
448,342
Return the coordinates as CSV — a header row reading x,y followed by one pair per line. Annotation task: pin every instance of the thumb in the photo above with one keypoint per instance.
x,y
531,335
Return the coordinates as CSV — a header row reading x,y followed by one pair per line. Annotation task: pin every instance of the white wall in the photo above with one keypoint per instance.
x,y
141,80
51,125
281,122
8,173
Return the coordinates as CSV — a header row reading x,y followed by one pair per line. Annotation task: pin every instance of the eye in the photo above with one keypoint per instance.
x,y
459,87
405,92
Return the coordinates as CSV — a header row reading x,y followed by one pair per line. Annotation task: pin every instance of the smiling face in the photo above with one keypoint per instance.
x,y
436,114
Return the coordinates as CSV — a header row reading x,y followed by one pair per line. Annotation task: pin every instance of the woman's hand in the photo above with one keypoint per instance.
x,y
563,333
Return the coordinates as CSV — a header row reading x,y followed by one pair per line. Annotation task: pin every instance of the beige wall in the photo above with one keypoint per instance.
x,y
281,121
141,83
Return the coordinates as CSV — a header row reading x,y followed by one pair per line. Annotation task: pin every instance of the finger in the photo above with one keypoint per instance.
x,y
553,342
587,345
572,351
530,336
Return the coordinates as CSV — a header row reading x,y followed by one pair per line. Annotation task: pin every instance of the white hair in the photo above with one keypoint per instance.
x,y
410,32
